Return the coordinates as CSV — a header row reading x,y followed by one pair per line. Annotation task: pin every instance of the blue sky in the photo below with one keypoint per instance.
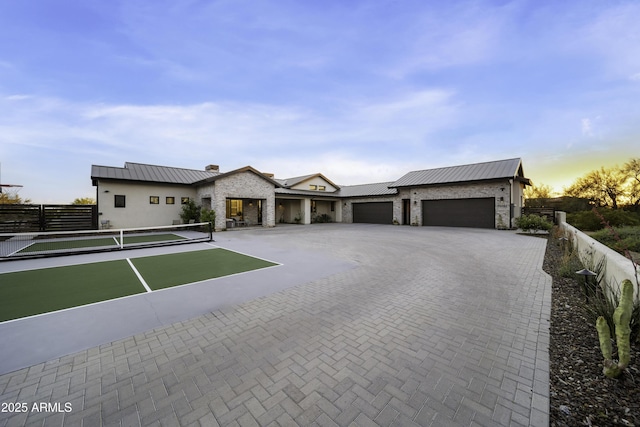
x,y
361,91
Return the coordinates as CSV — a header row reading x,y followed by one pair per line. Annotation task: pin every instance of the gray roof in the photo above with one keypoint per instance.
x,y
150,173
510,168
377,189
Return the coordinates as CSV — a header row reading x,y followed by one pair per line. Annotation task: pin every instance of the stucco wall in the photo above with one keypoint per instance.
x,y
616,269
315,181
138,212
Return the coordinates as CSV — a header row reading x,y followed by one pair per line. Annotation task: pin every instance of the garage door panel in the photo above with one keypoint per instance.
x,y
373,212
477,212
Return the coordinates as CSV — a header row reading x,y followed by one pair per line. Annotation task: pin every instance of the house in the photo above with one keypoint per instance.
x,y
485,195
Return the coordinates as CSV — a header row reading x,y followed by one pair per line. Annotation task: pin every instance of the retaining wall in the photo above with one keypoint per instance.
x,y
617,267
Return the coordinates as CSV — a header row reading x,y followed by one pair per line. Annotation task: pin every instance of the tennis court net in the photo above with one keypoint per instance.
x,y
30,245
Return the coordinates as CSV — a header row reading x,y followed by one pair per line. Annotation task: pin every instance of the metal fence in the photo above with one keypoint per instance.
x,y
29,218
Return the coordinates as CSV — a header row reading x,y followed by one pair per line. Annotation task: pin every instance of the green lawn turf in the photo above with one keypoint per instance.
x,y
99,242
164,271
26,293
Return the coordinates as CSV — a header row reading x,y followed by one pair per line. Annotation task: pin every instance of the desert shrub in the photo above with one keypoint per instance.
x,y
591,221
533,223
570,262
627,238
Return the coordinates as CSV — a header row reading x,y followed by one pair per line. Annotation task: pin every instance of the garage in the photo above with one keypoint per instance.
x,y
478,213
373,212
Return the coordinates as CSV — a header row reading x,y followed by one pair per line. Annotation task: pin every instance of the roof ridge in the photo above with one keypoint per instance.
x,y
164,167
468,164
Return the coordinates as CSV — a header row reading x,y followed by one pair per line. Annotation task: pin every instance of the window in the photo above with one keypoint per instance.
x,y
322,188
154,200
171,200
313,187
234,208
119,201
184,200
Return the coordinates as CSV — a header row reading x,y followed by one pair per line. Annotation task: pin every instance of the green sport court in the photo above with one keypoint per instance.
x,y
31,292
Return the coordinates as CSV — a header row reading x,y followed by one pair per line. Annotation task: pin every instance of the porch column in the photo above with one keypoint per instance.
x,y
338,212
305,208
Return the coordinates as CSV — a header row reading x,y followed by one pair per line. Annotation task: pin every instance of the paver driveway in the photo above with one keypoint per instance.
x,y
431,326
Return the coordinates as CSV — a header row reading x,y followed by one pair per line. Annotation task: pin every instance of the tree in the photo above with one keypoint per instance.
x,y
84,201
631,170
605,187
541,191
12,199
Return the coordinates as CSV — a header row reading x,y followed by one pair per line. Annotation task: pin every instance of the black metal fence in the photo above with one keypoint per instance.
x,y
30,218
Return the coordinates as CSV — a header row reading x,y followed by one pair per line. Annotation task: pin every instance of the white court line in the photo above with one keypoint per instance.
x,y
135,270
242,253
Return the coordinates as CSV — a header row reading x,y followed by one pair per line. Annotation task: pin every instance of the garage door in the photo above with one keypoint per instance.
x,y
479,213
373,212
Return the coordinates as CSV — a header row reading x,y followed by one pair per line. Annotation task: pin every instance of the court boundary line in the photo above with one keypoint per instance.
x,y
138,275
242,253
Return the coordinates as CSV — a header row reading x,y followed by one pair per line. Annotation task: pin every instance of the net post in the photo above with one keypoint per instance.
x,y
210,231
121,238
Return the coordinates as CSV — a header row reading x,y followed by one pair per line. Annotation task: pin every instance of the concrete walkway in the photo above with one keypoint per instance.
x,y
427,326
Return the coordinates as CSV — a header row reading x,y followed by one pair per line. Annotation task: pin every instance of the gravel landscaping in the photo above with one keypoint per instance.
x,y
580,394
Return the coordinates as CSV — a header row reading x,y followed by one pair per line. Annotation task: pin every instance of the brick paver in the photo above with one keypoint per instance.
x,y
434,327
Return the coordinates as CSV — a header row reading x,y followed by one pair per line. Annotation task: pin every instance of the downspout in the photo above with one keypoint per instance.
x,y
511,202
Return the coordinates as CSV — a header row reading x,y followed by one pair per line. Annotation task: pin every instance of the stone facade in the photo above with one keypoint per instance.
x,y
248,186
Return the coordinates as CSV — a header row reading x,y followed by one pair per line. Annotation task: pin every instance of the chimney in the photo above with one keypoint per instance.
x,y
212,168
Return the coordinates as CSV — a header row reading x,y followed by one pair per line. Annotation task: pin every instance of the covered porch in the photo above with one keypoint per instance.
x,y
307,210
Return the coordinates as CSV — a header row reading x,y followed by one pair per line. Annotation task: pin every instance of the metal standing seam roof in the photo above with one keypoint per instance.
x,y
150,173
509,168
376,189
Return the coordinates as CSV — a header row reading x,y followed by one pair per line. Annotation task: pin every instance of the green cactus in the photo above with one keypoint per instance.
x,y
621,318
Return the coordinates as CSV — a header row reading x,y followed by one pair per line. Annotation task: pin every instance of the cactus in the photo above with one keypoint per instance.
x,y
621,318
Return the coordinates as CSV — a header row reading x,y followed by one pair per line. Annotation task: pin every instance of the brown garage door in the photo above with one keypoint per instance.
x,y
373,212
479,213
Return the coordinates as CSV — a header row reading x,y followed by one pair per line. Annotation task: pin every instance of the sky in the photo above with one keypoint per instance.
x,y
361,91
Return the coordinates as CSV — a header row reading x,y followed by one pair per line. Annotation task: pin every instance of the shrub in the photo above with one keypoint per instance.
x,y
570,263
629,238
208,215
590,221
190,211
323,218
532,223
